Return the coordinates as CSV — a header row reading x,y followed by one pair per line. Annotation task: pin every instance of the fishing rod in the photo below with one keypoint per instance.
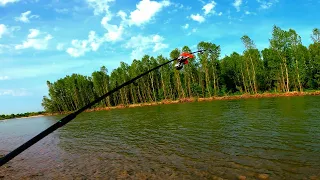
x,y
181,61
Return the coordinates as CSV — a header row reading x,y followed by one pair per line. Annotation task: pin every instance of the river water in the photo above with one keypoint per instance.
x,y
277,137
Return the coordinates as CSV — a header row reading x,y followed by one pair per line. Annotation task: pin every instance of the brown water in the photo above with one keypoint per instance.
x,y
279,137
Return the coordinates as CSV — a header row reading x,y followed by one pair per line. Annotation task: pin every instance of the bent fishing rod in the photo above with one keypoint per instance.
x,y
181,60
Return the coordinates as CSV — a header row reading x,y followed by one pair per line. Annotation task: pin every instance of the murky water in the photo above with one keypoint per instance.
x,y
279,137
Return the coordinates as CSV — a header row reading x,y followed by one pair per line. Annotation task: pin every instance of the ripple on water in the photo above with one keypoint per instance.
x,y
275,138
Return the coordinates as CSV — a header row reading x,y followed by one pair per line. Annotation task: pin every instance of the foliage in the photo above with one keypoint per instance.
x,y
285,66
27,114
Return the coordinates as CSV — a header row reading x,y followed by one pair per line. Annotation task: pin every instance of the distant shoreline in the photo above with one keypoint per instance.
x,y
195,99
40,115
184,100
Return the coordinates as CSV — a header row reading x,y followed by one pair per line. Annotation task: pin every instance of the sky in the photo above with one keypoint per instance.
x,y
44,40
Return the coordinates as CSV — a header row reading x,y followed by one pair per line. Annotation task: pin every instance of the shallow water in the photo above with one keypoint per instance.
x,y
279,137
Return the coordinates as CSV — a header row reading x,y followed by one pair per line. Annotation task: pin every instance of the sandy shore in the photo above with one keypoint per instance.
x,y
32,116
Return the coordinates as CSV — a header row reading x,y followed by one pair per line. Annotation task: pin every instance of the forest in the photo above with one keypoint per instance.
x,y
286,65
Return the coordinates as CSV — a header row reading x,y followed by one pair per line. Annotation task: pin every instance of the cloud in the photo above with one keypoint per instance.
x,y
3,30
4,78
14,92
114,32
61,66
209,8
140,44
197,17
146,9
250,13
122,15
33,41
192,31
177,5
24,17
99,6
237,4
186,26
6,30
60,46
266,4
33,33
4,2
80,47
62,11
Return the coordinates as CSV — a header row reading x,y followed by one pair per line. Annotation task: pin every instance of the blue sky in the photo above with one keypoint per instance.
x,y
44,40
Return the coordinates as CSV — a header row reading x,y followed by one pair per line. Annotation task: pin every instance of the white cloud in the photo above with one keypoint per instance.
x,y
61,66
62,11
122,15
80,47
14,92
197,17
146,9
33,33
60,46
140,44
6,30
24,17
177,5
209,8
250,13
192,31
4,78
186,26
14,28
114,32
34,42
237,4
266,4
3,30
99,6
4,2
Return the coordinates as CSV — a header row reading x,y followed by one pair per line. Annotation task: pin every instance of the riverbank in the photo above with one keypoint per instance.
x,y
22,115
40,115
195,99
192,99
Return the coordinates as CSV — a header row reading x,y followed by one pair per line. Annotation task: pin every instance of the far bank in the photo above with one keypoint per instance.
x,y
183,100
196,99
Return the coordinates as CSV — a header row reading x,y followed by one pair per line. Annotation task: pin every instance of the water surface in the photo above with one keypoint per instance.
x,y
204,140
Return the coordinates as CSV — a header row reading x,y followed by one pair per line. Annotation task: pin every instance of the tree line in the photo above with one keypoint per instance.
x,y
19,115
286,65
